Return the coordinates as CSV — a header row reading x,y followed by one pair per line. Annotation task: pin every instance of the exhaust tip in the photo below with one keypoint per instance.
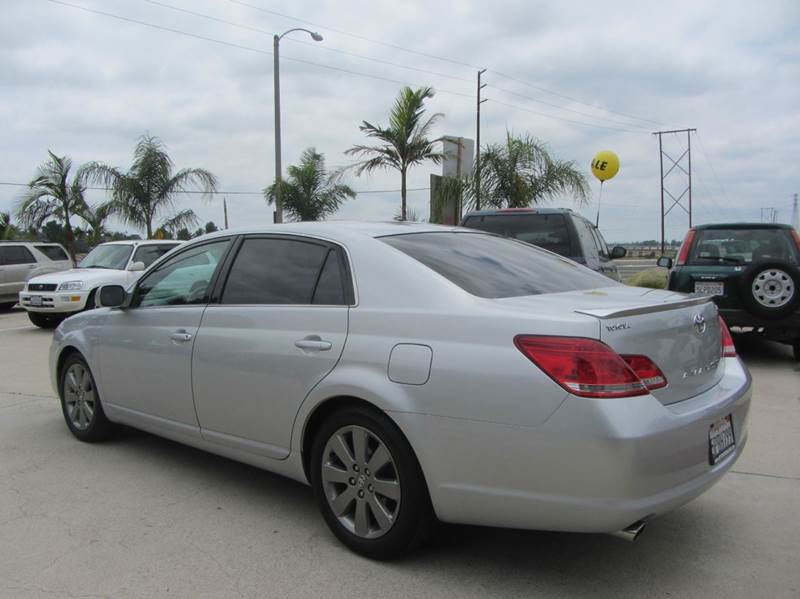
x,y
632,532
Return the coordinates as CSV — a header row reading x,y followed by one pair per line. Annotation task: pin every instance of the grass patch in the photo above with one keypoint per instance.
x,y
653,279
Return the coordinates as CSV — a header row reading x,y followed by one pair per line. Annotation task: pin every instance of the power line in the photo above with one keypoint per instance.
x,y
245,193
713,170
242,47
566,120
313,44
354,35
570,98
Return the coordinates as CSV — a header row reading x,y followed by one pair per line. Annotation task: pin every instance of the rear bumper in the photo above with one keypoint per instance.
x,y
593,466
61,302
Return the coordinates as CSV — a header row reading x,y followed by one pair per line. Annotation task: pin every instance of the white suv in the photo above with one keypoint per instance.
x,y
21,260
51,298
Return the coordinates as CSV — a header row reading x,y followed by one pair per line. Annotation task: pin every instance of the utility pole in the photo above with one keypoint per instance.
x,y
478,142
276,41
795,214
225,210
769,215
676,201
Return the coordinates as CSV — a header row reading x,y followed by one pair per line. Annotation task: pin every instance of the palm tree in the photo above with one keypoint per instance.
x,y
7,228
403,143
146,193
310,192
522,172
96,217
51,195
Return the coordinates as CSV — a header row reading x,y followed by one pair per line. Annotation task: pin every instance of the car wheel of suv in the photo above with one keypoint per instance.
x,y
80,401
369,485
770,288
45,321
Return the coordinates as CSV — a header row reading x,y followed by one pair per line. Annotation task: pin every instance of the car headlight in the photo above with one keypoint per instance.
x,y
71,286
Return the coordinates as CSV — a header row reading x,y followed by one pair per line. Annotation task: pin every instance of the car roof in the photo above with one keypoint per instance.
x,y
143,242
494,211
340,229
742,226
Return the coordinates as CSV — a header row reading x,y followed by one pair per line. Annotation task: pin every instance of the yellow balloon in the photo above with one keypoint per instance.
x,y
605,165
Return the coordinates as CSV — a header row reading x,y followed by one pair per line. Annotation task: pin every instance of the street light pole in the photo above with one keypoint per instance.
x,y
276,41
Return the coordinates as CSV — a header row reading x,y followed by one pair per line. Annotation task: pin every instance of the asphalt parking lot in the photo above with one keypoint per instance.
x,y
145,517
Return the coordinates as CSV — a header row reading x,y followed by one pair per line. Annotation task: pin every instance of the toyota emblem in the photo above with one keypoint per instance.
x,y
699,324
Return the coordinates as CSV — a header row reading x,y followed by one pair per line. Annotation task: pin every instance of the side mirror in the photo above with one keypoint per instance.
x,y
136,267
111,296
618,252
664,262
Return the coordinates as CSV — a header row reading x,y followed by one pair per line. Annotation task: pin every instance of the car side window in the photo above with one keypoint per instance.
x,y
148,254
281,271
183,280
53,252
16,254
602,248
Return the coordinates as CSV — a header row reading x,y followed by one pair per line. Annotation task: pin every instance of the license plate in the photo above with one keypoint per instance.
x,y
36,300
721,441
709,288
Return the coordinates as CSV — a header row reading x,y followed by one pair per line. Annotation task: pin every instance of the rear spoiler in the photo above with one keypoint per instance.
x,y
607,313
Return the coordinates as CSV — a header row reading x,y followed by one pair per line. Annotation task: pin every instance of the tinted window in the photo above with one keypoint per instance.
x,y
16,254
602,248
489,266
114,256
545,230
742,246
52,251
182,280
274,271
150,253
330,290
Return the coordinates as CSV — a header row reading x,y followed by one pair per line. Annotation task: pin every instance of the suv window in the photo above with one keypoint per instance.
x,y
114,256
15,254
545,230
182,280
150,253
742,246
493,267
53,252
282,271
602,248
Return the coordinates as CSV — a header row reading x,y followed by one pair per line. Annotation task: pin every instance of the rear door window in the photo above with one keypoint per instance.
x,y
148,254
492,267
548,231
276,271
742,246
15,254
53,252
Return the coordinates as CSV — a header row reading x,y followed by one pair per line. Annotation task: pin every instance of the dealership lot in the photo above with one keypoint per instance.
x,y
141,516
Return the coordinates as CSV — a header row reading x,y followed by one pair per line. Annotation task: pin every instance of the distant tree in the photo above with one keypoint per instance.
x,y
522,172
147,192
411,216
211,227
51,194
404,143
96,217
7,228
184,234
309,192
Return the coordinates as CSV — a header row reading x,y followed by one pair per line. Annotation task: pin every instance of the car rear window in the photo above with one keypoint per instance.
x,y
493,267
545,230
53,252
742,246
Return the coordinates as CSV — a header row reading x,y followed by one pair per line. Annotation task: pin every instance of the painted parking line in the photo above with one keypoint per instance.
x,y
17,328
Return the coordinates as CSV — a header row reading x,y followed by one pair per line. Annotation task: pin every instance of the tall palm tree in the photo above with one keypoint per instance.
x,y
146,193
51,195
522,172
310,192
403,143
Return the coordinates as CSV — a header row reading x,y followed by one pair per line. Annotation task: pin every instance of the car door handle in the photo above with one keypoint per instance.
x,y
181,336
313,343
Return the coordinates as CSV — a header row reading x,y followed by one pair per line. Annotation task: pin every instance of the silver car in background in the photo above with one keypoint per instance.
x,y
413,372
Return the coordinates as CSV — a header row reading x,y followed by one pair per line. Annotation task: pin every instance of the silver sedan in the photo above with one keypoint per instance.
x,y
415,373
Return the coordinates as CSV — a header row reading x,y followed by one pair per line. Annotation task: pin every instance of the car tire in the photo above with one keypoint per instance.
x,y
45,321
80,401
90,301
796,348
771,289
382,514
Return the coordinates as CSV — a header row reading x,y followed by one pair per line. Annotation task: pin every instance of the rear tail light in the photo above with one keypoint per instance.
x,y
796,237
589,368
683,253
727,349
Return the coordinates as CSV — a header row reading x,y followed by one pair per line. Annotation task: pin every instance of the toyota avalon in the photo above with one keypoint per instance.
x,y
412,373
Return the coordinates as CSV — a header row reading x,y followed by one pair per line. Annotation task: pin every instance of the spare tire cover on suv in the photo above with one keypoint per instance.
x,y
771,288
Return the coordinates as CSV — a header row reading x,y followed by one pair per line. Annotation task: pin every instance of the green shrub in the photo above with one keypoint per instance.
x,y
653,279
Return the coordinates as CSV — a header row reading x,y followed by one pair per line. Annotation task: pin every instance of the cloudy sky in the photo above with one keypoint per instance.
x,y
581,76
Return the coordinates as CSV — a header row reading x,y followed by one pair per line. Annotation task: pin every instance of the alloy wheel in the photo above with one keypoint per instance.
x,y
773,288
79,396
361,482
